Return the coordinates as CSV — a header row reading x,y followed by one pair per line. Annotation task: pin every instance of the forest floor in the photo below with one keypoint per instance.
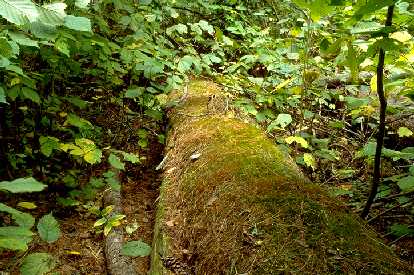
x,y
80,250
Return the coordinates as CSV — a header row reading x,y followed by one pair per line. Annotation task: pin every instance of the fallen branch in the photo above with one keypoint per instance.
x,y
116,263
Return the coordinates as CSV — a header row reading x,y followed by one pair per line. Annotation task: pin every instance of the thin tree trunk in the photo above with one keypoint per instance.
x,y
381,129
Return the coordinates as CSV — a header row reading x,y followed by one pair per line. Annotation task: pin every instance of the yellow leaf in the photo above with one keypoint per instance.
x,y
299,140
373,84
403,36
309,160
27,205
72,252
404,132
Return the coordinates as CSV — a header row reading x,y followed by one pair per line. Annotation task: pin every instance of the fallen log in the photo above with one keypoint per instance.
x,y
232,203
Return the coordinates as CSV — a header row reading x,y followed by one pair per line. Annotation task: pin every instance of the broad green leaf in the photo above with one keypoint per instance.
x,y
18,12
155,114
28,93
404,132
37,264
11,243
78,23
48,228
116,162
22,219
2,95
185,63
23,39
4,62
180,28
43,31
52,14
205,26
48,144
152,68
406,184
79,122
283,120
136,249
134,92
400,230
22,185
15,232
298,140
317,8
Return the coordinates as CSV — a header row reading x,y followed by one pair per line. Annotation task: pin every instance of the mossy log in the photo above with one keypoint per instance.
x,y
232,203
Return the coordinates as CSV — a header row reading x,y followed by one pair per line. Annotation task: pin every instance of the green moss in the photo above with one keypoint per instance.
x,y
246,201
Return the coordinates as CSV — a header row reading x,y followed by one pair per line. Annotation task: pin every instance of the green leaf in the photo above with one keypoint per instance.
x,y
23,39
116,162
371,6
48,228
155,114
78,23
48,144
406,184
37,264
5,48
136,249
79,122
133,158
15,237
404,132
185,63
18,11
22,219
134,92
62,47
82,4
152,68
2,96
15,232
283,120
22,185
11,243
205,26
400,230
28,93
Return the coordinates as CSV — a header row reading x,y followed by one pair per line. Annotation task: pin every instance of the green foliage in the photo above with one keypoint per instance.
x,y
37,264
22,185
136,249
48,228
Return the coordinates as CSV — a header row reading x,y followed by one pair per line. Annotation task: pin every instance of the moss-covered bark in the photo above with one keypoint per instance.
x,y
233,203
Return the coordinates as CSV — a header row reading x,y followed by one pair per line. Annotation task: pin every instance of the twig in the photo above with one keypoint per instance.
x,y
381,129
